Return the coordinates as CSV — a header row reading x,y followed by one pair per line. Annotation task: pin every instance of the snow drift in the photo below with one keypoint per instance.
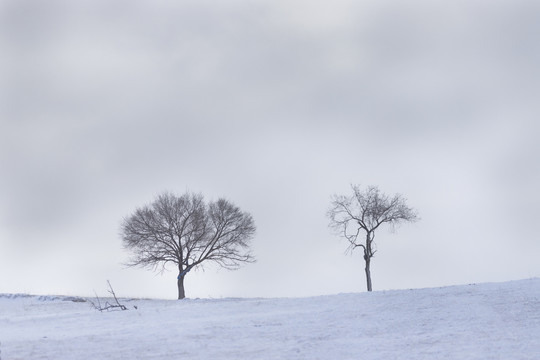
x,y
482,321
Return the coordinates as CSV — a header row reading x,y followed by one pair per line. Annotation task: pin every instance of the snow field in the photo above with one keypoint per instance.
x,y
485,321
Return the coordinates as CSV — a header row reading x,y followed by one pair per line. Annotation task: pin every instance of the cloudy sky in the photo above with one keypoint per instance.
x,y
274,105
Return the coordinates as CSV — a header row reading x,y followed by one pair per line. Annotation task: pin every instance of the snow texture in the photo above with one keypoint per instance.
x,y
486,321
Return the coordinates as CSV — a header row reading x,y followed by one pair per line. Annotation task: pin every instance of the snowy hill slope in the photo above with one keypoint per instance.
x,y
485,321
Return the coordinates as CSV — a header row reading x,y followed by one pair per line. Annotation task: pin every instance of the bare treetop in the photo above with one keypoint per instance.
x,y
369,209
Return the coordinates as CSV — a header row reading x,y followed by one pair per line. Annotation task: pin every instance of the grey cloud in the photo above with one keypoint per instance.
x,y
275,105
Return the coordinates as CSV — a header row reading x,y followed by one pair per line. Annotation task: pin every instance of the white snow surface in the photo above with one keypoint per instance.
x,y
483,321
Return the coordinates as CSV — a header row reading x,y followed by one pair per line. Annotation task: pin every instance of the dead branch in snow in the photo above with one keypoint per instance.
x,y
107,306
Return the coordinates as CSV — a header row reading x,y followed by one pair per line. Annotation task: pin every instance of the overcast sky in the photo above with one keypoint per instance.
x,y
276,106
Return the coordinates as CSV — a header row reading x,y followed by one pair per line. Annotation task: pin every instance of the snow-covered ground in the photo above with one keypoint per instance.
x,y
484,321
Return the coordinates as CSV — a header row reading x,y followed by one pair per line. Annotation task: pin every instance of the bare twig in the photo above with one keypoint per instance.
x,y
111,291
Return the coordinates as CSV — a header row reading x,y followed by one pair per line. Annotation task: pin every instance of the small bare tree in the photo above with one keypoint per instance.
x,y
363,213
187,232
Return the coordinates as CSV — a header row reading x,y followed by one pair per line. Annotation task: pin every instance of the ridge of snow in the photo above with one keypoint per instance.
x,y
478,321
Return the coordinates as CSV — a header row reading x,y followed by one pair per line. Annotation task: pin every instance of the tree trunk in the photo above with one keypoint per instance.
x,y
368,273
181,292
367,257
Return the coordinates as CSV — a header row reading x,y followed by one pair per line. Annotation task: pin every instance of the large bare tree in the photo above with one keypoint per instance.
x,y
356,217
187,232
